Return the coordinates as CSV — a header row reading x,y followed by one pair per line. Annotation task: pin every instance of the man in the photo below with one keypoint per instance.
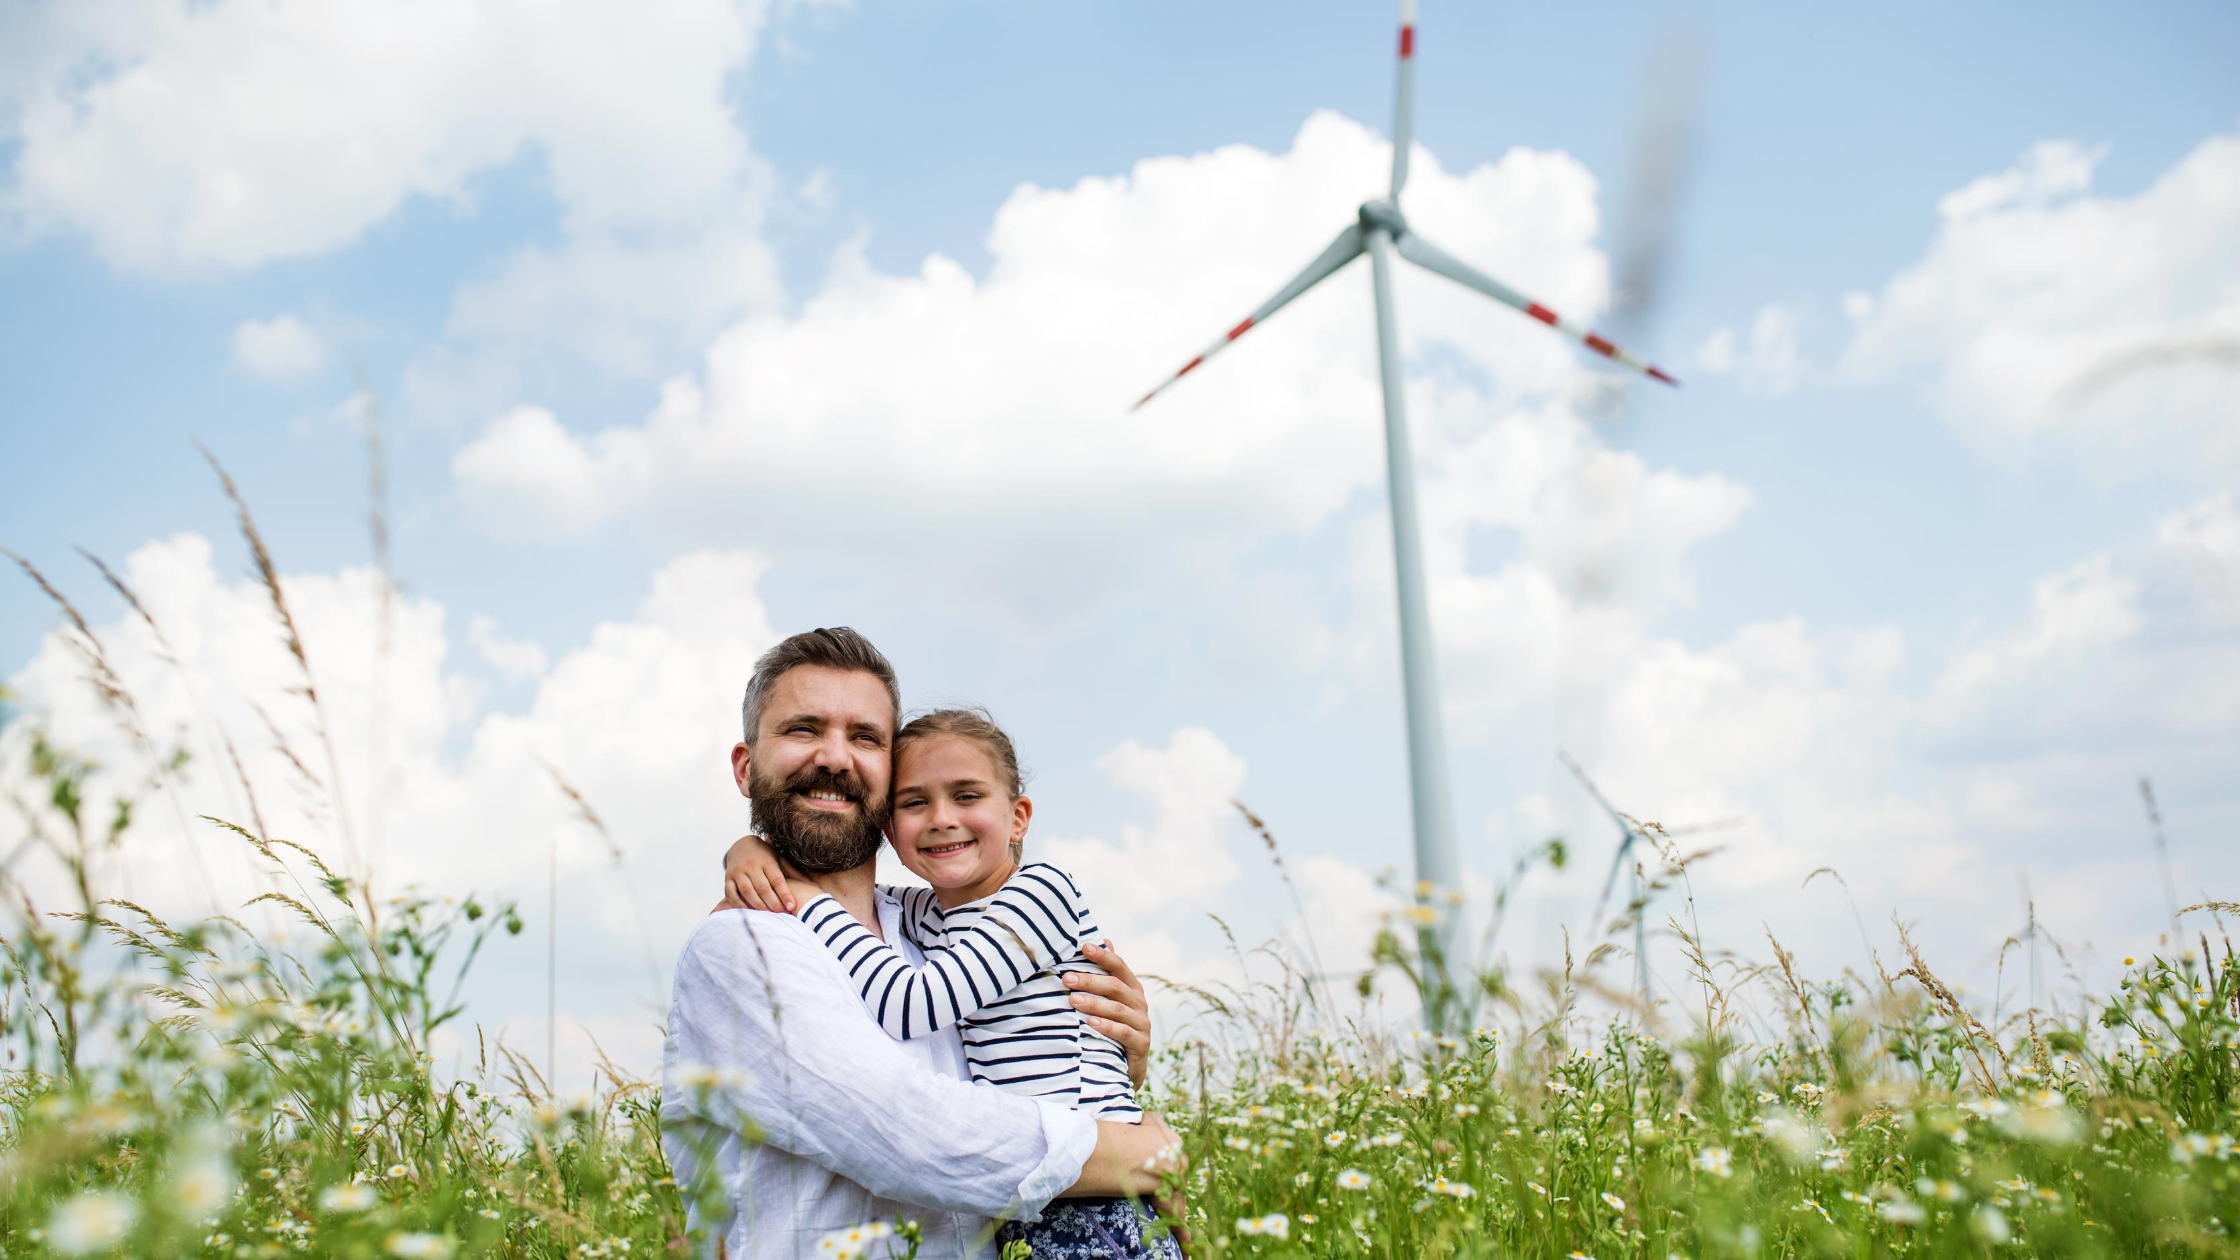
x,y
787,1114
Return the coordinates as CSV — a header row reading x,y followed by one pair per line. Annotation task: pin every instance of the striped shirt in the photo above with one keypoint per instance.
x,y
993,970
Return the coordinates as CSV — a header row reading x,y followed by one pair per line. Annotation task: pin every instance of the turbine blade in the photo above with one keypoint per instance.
x,y
1404,99
1343,250
1430,257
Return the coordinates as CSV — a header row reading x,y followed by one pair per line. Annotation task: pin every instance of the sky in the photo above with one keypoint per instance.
x,y
682,327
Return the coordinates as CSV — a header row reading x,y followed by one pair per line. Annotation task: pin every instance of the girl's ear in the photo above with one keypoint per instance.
x,y
1022,813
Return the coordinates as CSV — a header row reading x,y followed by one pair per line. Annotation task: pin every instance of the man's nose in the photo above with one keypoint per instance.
x,y
832,752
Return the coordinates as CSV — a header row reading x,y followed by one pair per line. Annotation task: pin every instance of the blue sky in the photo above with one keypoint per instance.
x,y
1832,617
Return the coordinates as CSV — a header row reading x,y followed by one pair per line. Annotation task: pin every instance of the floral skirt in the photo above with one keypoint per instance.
x,y
1093,1229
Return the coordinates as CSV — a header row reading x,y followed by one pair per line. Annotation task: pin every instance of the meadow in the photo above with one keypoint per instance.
x,y
206,1089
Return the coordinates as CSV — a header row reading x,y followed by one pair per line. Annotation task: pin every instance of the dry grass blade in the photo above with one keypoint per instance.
x,y
1972,1030
292,638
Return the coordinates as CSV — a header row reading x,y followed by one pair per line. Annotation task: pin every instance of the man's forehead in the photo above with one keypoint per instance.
x,y
842,695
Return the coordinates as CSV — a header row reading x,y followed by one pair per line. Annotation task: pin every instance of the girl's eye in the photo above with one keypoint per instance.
x,y
965,798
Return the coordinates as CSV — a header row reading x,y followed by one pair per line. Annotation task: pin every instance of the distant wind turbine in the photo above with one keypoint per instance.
x,y
1380,231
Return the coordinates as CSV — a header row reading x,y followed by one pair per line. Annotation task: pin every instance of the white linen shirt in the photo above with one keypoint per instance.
x,y
856,1127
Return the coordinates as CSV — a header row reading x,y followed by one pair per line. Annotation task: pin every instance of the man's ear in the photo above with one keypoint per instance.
x,y
742,767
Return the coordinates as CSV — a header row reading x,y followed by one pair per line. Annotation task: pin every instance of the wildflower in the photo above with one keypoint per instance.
x,y
351,1197
1990,1225
1452,1189
418,1246
1579,1255
203,1186
1466,1109
856,1240
1949,1191
1334,1139
358,1128
397,1170
1616,1204
1902,1212
1813,1205
94,1221
1716,1160
1302,1179
1353,1179
1274,1225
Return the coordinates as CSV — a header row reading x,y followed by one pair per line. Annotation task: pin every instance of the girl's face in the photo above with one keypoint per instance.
x,y
954,822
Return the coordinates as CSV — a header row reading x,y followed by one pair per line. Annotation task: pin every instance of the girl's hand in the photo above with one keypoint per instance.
x,y
753,880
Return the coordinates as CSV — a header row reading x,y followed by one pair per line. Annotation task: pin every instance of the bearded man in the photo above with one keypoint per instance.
x,y
787,1113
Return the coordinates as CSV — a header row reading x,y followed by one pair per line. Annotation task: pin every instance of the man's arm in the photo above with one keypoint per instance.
x,y
1128,1160
757,997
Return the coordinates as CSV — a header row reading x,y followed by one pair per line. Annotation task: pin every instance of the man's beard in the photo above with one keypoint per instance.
x,y
817,841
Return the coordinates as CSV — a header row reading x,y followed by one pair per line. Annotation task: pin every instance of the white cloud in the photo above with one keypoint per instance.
x,y
229,134
282,349
995,421
516,660
211,137
2021,750
1146,885
1769,360
2105,326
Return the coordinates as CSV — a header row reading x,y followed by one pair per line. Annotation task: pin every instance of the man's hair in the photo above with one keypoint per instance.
x,y
835,647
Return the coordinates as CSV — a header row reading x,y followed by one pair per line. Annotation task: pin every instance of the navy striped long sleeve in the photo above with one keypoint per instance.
x,y
993,968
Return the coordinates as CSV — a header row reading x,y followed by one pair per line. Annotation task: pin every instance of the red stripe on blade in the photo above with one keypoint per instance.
x,y
1660,374
1539,312
1407,41
1191,364
1239,330
1599,346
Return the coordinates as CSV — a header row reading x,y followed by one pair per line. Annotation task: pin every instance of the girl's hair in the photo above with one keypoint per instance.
x,y
977,726
972,724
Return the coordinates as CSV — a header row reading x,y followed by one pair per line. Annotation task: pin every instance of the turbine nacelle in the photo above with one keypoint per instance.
x,y
1382,215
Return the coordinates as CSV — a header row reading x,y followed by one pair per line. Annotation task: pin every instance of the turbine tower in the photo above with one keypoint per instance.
x,y
1381,231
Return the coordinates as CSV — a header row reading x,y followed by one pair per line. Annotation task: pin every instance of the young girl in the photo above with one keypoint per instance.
x,y
997,937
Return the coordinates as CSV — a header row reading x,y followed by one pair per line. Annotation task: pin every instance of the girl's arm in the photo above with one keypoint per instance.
x,y
753,878
1026,927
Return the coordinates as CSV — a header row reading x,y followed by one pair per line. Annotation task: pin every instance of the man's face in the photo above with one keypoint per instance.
x,y
819,767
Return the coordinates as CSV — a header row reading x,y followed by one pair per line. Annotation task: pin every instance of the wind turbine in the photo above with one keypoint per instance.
x,y
1380,231
1631,833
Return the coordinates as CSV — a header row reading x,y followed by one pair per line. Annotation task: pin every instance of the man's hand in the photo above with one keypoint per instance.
x,y
1130,1159
754,878
1115,1005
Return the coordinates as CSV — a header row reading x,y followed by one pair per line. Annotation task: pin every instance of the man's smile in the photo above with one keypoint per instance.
x,y
825,799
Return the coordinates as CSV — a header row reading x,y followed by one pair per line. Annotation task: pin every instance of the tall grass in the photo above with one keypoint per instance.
x,y
204,1089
